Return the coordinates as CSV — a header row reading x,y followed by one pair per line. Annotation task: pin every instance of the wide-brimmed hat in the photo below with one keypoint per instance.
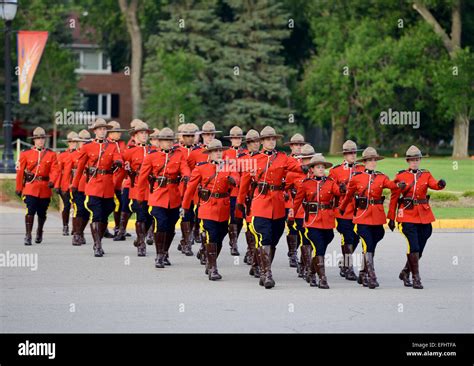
x,y
166,133
209,127
83,136
135,122
38,133
269,132
349,147
414,152
99,122
307,151
71,137
189,129
115,127
214,145
139,126
236,132
319,159
252,135
370,153
297,138
155,133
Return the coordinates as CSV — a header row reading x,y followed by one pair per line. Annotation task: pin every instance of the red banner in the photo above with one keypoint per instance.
x,y
30,49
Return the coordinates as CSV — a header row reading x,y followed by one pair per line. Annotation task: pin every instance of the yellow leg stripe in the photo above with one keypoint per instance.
x,y
300,236
130,205
26,208
87,208
400,228
364,244
310,241
258,242
74,206
201,225
117,203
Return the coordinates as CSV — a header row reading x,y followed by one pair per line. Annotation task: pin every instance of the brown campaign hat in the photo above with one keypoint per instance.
x,y
189,129
414,152
166,133
349,147
209,127
307,151
139,126
135,122
71,137
319,159
155,133
235,131
252,135
296,139
38,133
269,132
99,122
214,145
83,136
115,127
369,153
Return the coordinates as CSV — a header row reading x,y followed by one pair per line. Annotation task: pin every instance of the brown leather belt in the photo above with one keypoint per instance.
x,y
408,201
313,207
272,187
168,180
93,171
42,179
220,195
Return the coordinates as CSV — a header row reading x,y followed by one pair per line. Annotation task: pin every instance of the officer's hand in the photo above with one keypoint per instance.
x,y
305,168
391,224
181,212
441,183
18,193
401,185
343,187
50,184
73,189
231,181
291,214
341,211
117,164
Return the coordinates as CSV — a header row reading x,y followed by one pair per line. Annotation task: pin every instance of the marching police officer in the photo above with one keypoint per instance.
x,y
37,172
133,161
160,175
215,181
268,204
343,173
235,152
369,215
62,185
98,159
414,215
296,143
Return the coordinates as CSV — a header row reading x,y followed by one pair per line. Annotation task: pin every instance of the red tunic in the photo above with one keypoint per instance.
x,y
293,183
63,160
135,157
233,154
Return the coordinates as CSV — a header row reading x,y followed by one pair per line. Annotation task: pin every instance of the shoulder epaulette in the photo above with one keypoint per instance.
x,y
356,173
241,154
306,179
87,142
201,163
196,147
335,166
401,171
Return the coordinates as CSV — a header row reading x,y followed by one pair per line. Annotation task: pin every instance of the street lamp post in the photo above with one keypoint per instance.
x,y
7,13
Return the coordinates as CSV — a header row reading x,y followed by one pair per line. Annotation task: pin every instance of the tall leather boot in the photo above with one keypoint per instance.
x,y
323,281
413,259
122,231
312,270
39,230
186,241
272,253
149,234
372,278
265,256
307,265
292,241
29,220
250,239
82,227
65,218
96,236
260,253
102,230
169,240
233,238
349,273
76,238
362,278
140,228
341,264
117,223
160,239
196,234
211,251
202,251
405,274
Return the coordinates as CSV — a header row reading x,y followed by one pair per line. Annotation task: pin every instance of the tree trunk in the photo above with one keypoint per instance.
x,y
461,136
129,10
337,134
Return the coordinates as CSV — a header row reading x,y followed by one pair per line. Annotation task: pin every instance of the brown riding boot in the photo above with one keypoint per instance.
x,y
250,239
160,240
405,274
312,270
413,259
362,278
97,237
197,236
140,228
211,251
169,240
233,238
39,230
349,272
323,281
82,227
372,278
65,218
186,241
122,230
292,241
76,238
306,265
29,220
202,251
265,257
149,234
117,223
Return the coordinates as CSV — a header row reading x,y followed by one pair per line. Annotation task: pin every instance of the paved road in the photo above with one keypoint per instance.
x,y
71,291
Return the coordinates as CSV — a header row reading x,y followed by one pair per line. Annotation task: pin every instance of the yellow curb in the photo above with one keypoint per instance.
x,y
438,224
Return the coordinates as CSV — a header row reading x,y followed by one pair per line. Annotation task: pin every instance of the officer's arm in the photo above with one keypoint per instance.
x,y
348,197
55,170
393,185
184,170
20,173
66,175
392,207
293,165
300,195
117,156
435,184
191,161
194,181
244,188
81,163
142,183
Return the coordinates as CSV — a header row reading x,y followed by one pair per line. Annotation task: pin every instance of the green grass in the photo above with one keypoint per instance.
x,y
7,188
453,212
458,174
443,196
469,194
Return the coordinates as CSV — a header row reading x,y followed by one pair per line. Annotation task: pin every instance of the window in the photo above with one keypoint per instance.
x,y
92,60
103,105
